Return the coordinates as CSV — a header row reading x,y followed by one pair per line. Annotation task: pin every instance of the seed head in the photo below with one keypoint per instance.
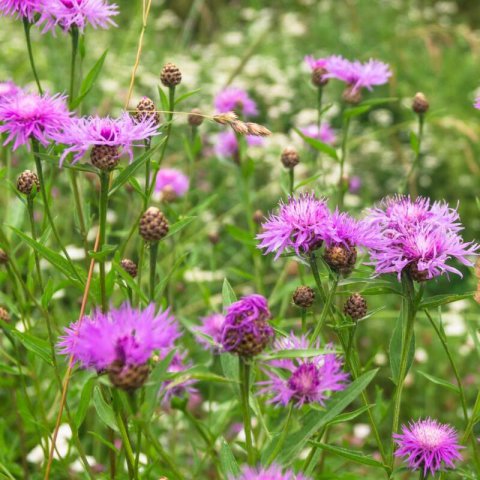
x,y
105,157
257,130
415,273
355,306
4,315
420,103
318,77
341,259
129,266
146,110
26,181
239,127
352,95
128,377
225,118
290,157
153,225
195,118
303,297
3,257
171,76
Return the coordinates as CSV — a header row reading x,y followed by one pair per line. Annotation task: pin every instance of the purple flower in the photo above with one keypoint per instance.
x,y
8,89
124,335
354,184
342,229
235,99
357,74
273,472
298,226
172,182
325,134
315,63
21,8
212,326
419,236
80,134
77,13
27,116
309,380
227,143
426,444
246,331
178,387
477,103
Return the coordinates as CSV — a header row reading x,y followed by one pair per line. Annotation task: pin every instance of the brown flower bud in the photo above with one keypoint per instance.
x,y
415,273
171,76
105,157
214,238
290,157
318,77
258,216
303,297
26,181
355,306
146,110
195,118
351,95
128,377
129,266
153,225
340,258
420,103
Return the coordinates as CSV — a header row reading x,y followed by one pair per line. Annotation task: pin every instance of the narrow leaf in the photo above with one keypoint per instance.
x,y
104,411
319,146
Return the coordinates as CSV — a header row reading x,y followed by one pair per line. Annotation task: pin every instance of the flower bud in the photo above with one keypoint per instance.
x,y
105,157
129,266
303,297
355,306
128,377
171,76
290,157
26,181
195,118
146,110
415,273
341,258
153,225
318,77
352,95
420,103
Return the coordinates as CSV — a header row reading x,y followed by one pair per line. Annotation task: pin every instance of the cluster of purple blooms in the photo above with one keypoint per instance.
x,y
66,14
274,472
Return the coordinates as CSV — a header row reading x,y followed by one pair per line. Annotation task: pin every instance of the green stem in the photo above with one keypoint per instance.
x,y
343,159
313,265
79,207
319,107
304,321
282,436
153,267
473,419
291,175
74,34
34,236
104,185
325,310
27,26
244,373
411,176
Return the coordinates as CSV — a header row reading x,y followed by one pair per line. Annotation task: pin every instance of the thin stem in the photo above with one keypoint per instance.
x,y
319,108
153,267
244,368
34,236
343,159
412,174
325,310
282,436
104,184
79,208
27,26
313,265
74,34
304,321
291,175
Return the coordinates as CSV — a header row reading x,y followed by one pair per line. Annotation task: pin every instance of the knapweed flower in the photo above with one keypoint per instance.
x,y
246,330
29,116
227,143
273,472
235,99
77,13
120,342
8,89
21,8
419,237
171,183
325,134
119,134
212,326
427,445
303,380
319,67
178,387
298,226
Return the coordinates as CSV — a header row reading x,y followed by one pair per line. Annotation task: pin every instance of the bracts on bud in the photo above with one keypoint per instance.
x,y
146,110
128,377
195,118
355,306
318,77
129,266
290,157
105,157
27,181
153,225
416,274
171,76
352,95
420,103
303,297
340,258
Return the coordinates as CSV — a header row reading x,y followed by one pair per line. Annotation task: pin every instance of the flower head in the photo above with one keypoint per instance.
x,y
299,226
8,89
246,330
26,116
212,326
124,335
235,99
427,444
325,134
227,143
178,387
273,472
315,63
77,13
309,380
21,8
356,74
172,182
80,134
419,236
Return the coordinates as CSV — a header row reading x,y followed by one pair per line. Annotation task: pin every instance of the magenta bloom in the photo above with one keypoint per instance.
x,y
427,444
477,103
246,330
124,335
178,387
273,472
315,63
170,180
77,13
25,116
304,380
212,326
80,134
354,184
419,235
326,133
235,99
8,89
21,8
357,74
298,226
227,143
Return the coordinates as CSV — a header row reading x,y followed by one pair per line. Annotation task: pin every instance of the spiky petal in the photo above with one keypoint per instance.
x,y
235,99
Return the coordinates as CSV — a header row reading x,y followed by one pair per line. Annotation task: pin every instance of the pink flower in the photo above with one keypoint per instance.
x,y
21,8
273,472
235,99
326,133
170,180
227,143
8,89
212,326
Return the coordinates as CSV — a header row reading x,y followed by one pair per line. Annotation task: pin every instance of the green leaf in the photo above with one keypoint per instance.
x,y
241,235
319,146
396,350
37,346
441,382
183,97
315,420
180,225
298,353
373,102
130,282
125,175
346,417
85,398
439,300
227,460
229,364
163,99
103,253
356,111
89,80
350,455
228,294
104,411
